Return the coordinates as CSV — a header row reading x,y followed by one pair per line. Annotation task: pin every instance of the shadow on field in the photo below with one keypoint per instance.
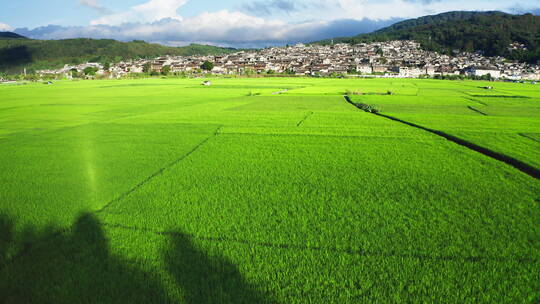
x,y
76,266
71,267
206,279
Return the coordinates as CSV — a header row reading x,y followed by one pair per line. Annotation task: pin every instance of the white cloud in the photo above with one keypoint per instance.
x,y
94,4
386,9
269,7
151,11
5,28
225,28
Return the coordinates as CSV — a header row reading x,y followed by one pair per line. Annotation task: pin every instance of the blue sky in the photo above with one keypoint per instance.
x,y
226,22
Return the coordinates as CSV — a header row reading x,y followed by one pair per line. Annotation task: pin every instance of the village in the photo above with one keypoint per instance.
x,y
399,59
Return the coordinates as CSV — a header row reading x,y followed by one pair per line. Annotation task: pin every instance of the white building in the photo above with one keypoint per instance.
x,y
410,72
483,71
365,69
430,70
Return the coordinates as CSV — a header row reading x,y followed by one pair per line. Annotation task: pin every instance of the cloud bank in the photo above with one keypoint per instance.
x,y
257,23
270,7
150,11
224,28
4,27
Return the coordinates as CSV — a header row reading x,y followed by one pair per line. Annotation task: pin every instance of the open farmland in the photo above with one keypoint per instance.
x,y
162,190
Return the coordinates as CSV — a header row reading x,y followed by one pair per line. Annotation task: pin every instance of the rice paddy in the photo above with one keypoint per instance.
x,y
268,191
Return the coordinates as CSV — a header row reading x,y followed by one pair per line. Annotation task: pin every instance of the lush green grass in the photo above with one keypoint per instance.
x,y
167,191
472,113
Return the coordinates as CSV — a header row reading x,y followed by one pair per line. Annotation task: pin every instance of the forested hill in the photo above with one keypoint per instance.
x,y
11,35
16,54
490,32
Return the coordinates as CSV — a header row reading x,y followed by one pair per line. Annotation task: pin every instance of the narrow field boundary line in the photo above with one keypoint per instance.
x,y
418,139
34,246
528,137
157,173
521,166
304,119
348,251
475,100
476,110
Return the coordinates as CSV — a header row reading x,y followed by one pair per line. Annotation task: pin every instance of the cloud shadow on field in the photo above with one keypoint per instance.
x,y
77,266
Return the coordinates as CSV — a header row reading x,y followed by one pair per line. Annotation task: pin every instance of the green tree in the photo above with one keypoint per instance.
x,y
290,72
74,73
31,77
249,72
165,70
207,66
146,67
106,66
90,71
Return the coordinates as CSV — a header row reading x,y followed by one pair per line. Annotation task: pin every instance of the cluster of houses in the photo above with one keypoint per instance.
x,y
404,59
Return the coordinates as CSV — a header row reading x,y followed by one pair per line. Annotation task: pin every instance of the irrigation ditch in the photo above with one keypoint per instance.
x,y
476,100
529,137
477,111
521,166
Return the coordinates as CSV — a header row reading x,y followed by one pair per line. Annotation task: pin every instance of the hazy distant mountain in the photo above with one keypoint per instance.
x,y
10,35
39,32
489,32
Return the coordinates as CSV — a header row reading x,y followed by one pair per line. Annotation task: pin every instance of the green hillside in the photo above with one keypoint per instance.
x,y
16,54
490,32
11,35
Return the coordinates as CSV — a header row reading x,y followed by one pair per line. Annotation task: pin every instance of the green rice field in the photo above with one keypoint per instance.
x,y
271,190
